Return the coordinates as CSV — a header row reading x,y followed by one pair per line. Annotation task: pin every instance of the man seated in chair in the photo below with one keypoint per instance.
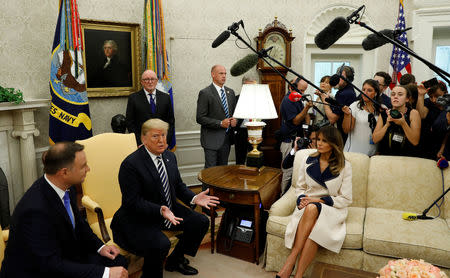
x,y
48,236
150,183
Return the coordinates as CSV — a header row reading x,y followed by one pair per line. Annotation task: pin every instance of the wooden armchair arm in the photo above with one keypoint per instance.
x,y
89,204
5,235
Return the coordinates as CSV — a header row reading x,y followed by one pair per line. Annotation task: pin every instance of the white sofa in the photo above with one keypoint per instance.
x,y
383,188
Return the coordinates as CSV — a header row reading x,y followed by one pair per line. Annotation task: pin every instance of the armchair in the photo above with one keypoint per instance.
x,y
3,239
101,192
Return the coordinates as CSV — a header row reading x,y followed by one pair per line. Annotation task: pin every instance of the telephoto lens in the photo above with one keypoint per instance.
x,y
395,114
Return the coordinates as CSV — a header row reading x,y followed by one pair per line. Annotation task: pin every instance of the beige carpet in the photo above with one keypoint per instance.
x,y
221,266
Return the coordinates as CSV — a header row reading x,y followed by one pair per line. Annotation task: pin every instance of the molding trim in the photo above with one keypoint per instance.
x,y
354,36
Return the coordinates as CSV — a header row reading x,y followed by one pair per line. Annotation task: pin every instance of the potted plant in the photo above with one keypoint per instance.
x,y
11,95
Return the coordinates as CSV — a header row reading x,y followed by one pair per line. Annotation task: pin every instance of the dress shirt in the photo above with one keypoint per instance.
x,y
147,95
220,95
155,161
61,193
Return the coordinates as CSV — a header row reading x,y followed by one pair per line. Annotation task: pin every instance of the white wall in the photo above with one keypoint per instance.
x,y
27,29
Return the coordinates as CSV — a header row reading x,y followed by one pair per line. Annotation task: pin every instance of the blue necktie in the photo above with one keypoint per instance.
x,y
225,105
165,184
66,199
152,104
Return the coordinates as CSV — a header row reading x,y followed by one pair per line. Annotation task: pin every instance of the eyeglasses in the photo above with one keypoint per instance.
x,y
150,79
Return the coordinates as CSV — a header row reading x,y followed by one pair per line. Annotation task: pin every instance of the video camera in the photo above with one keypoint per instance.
x,y
303,142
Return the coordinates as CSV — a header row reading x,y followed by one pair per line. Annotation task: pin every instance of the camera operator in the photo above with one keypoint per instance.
x,y
442,125
293,115
429,110
398,130
307,142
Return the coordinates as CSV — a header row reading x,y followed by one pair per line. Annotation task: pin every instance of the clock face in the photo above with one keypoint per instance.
x,y
278,51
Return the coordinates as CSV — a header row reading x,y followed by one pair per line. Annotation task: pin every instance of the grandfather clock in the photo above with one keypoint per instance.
x,y
277,36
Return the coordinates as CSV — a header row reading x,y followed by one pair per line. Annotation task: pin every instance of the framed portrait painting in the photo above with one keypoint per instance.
x,y
112,57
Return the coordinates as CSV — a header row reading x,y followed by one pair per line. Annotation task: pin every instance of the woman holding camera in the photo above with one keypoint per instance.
x,y
324,190
398,129
360,120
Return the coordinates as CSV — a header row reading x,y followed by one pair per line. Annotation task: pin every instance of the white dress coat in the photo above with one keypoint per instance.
x,y
329,230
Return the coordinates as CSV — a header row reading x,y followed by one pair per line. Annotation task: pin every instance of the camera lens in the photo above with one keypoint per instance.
x,y
395,114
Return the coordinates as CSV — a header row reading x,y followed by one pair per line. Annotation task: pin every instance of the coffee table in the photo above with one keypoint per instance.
x,y
324,270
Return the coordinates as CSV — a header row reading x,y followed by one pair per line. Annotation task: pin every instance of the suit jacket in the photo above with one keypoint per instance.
x,y
143,195
210,113
138,111
42,241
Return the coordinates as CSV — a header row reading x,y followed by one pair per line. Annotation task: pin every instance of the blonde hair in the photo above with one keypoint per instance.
x,y
154,124
333,137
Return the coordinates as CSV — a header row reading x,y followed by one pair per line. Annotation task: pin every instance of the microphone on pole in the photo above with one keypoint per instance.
x,y
373,41
226,34
334,80
220,39
335,30
244,64
330,34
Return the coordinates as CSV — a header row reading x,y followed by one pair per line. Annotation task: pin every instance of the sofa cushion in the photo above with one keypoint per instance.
x,y
403,183
276,225
387,234
360,172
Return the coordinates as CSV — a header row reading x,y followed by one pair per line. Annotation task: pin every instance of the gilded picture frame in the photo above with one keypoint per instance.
x,y
112,55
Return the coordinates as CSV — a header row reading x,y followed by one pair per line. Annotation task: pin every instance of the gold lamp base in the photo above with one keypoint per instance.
x,y
255,157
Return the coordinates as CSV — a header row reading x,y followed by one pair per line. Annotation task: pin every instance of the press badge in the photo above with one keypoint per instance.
x,y
398,137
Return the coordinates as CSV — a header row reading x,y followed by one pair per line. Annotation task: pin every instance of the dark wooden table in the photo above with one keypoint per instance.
x,y
232,186
324,270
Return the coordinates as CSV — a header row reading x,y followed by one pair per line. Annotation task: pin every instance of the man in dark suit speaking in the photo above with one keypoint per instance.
x,y
149,103
48,236
151,184
215,108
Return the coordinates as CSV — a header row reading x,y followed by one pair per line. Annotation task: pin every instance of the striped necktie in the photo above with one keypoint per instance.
x,y
224,102
166,189
225,105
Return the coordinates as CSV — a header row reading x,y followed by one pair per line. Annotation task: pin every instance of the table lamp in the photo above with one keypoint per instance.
x,y
255,103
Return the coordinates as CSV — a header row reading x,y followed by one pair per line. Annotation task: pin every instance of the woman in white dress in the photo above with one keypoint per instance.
x,y
360,120
324,190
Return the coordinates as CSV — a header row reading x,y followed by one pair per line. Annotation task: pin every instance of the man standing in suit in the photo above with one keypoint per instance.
x,y
215,108
48,236
149,103
151,184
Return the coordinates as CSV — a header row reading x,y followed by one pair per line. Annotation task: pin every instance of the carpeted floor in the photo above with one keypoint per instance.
x,y
221,266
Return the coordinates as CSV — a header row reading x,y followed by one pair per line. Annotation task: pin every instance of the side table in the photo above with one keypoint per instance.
x,y
231,186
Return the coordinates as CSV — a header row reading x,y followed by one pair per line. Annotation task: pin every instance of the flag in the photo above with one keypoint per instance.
x,y
69,112
155,52
400,61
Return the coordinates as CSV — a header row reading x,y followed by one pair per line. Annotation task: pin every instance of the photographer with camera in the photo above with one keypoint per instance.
x,y
429,110
360,120
398,130
309,141
293,115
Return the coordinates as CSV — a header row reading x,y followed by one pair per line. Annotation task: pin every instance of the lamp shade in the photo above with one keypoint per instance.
x,y
255,102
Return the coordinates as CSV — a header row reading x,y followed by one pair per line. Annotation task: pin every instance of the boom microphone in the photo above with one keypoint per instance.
x,y
220,39
244,64
373,41
334,80
330,34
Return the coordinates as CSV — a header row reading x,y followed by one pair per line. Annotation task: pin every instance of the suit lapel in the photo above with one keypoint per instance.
x,y
230,101
151,168
57,204
143,102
